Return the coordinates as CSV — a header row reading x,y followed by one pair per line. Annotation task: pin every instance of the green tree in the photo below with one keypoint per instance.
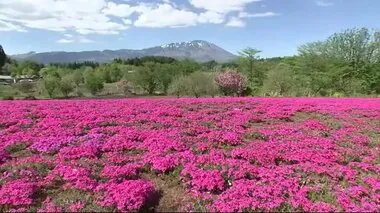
x,y
187,66
51,84
66,85
197,84
8,69
249,55
116,73
350,55
279,81
78,77
48,71
248,64
30,68
201,84
315,74
165,74
94,82
179,86
146,77
104,73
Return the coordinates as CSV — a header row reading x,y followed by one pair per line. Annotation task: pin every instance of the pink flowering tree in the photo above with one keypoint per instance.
x,y
232,82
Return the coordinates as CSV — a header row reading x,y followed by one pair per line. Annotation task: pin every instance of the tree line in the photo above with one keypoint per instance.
x,y
345,64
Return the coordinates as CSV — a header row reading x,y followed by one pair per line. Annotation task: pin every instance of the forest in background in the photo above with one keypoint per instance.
x,y
345,64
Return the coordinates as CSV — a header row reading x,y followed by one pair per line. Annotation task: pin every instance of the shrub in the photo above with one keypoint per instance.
x,y
196,84
126,87
25,87
8,97
178,86
202,84
30,97
231,82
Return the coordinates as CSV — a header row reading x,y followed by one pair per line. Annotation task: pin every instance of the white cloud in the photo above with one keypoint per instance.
x,y
108,17
322,3
65,41
118,10
219,6
235,22
257,15
211,17
7,26
71,39
85,40
165,15
127,21
63,15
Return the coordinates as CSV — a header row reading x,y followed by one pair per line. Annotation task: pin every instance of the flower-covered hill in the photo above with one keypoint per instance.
x,y
237,154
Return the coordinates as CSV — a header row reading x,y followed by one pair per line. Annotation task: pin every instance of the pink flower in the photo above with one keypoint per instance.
x,y
75,207
17,192
129,195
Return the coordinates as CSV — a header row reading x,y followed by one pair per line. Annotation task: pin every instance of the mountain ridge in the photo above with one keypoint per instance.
x,y
198,50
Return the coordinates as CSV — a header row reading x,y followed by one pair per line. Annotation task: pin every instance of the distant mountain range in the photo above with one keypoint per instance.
x,y
201,51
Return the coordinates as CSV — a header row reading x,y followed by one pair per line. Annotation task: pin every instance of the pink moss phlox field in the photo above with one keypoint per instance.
x,y
225,155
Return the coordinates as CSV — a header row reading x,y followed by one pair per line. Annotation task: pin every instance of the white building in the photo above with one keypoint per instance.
x,y
6,79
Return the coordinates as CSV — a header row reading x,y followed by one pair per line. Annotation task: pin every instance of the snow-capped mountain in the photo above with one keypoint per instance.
x,y
198,50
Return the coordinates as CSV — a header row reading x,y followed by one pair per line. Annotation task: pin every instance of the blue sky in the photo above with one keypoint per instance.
x,y
277,27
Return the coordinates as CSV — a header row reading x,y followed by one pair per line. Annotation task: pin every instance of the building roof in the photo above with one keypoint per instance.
x,y
6,77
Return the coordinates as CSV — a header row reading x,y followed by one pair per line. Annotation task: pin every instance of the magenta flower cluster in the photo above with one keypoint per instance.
x,y
222,154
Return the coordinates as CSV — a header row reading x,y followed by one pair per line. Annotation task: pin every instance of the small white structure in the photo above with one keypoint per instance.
x,y
27,78
6,79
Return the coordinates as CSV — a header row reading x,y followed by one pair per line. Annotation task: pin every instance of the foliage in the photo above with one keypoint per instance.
x,y
8,97
143,60
49,71
8,69
25,87
29,68
209,65
344,58
249,56
197,84
279,81
146,77
76,65
187,66
248,64
78,77
93,82
66,85
165,75
179,86
51,84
